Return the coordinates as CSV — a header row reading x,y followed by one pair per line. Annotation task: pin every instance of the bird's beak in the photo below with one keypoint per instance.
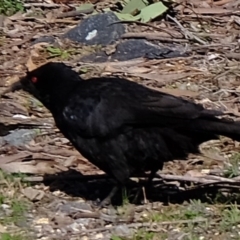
x,y
12,88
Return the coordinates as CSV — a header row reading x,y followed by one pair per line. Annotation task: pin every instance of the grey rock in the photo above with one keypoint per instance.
x,y
83,222
19,137
135,48
96,30
73,207
22,223
123,231
46,39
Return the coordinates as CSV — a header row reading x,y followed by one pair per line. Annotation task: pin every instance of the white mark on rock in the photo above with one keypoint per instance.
x,y
20,116
91,35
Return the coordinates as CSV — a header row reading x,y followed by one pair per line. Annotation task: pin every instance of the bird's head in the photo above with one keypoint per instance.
x,y
51,80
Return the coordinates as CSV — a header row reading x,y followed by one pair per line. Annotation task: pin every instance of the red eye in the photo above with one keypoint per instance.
x,y
34,79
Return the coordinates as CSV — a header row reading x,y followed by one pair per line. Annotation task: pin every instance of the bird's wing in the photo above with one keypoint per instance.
x,y
158,104
93,116
107,113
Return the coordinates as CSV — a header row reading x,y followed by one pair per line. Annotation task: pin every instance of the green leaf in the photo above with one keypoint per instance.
x,y
86,6
116,238
84,70
152,11
10,7
107,10
134,5
54,50
127,17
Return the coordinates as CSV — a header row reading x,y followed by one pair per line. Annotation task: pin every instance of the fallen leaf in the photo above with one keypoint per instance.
x,y
30,65
127,17
216,10
33,194
152,11
3,229
44,167
13,158
41,221
129,70
62,220
164,78
134,6
180,93
147,13
194,173
9,80
85,7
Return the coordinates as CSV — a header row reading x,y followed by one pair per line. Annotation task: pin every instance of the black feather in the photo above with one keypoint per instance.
x,y
123,127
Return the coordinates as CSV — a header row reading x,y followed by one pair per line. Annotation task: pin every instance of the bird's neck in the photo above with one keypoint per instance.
x,y
60,95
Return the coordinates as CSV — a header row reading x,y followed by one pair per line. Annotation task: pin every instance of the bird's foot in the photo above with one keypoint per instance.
x,y
97,205
136,198
106,201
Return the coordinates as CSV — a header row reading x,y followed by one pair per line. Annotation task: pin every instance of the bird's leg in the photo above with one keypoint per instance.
x,y
150,178
107,199
148,184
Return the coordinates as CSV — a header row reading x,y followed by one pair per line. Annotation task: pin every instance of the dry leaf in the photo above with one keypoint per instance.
x,y
194,173
14,158
129,70
9,80
33,194
180,93
44,167
62,220
3,229
164,78
41,221
30,65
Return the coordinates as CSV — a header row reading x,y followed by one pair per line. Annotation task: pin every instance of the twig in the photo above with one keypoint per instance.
x,y
65,177
221,179
133,62
212,11
185,178
152,36
232,55
76,13
214,45
154,227
221,2
17,43
46,5
215,185
53,152
208,179
169,32
100,215
186,33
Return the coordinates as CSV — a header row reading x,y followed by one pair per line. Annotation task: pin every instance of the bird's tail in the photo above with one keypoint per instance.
x,y
217,126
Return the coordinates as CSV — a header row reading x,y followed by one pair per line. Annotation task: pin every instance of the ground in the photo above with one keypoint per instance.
x,y
48,189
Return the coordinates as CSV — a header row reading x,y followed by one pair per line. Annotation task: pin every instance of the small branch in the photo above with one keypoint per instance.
x,y
208,179
186,33
17,43
99,215
221,179
185,178
154,227
232,55
152,36
45,5
73,176
171,32
76,13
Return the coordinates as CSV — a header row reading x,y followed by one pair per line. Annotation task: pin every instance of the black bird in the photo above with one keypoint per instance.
x,y
120,126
